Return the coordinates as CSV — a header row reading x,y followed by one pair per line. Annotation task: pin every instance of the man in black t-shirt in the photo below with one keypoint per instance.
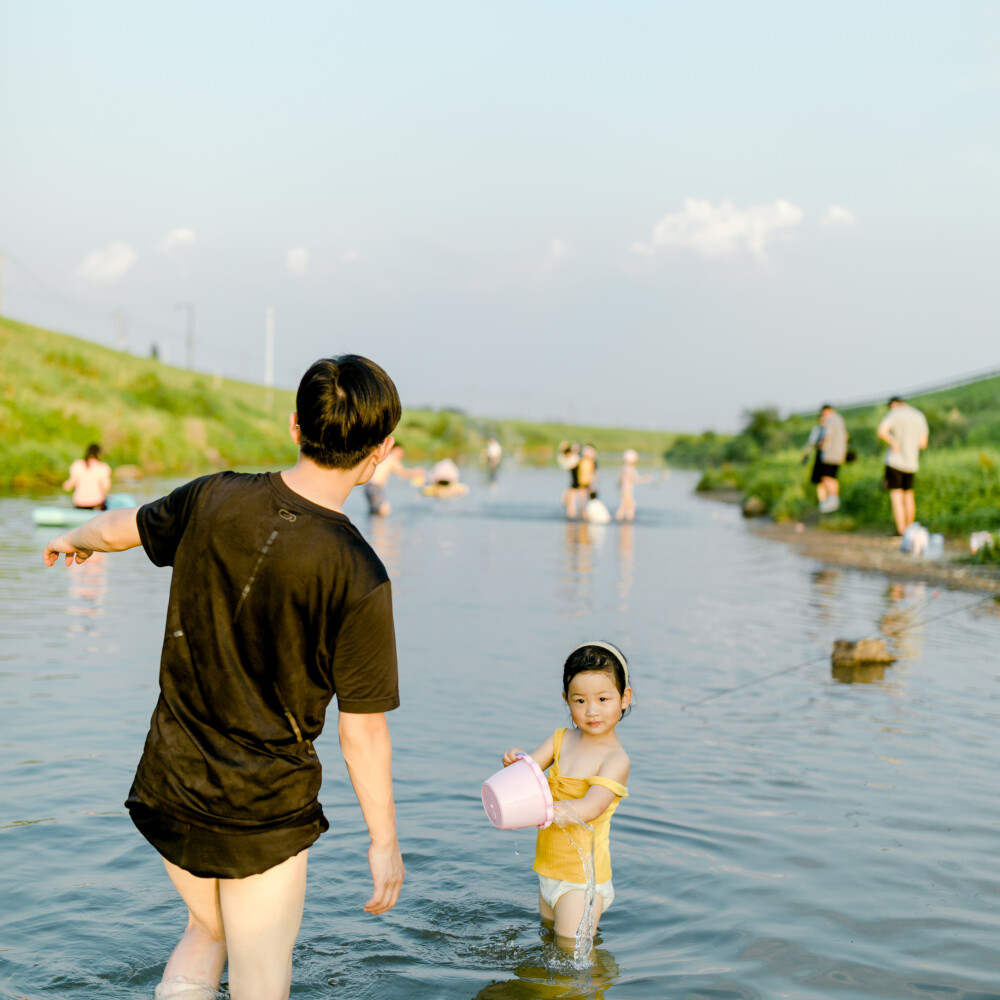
x,y
277,605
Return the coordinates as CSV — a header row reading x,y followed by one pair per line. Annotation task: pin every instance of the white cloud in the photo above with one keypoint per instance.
x,y
105,267
836,215
558,248
351,256
721,230
179,237
297,260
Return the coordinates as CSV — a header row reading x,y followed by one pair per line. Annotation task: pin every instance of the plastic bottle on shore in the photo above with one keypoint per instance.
x,y
935,546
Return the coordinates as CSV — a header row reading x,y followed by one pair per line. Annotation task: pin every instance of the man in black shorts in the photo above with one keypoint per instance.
x,y
277,605
830,439
904,430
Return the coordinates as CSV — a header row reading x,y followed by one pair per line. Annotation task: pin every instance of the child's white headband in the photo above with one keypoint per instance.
x,y
611,649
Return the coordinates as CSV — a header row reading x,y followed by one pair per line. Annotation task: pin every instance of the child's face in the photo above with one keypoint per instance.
x,y
594,702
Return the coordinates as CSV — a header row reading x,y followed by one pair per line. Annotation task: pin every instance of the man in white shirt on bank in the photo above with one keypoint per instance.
x,y
904,430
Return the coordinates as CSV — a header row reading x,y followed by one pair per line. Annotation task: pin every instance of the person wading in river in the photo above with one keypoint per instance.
x,y
277,604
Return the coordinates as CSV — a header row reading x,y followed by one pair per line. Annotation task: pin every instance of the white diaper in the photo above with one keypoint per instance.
x,y
550,889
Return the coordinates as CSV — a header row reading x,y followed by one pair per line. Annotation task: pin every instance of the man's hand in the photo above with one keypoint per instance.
x,y
110,531
386,864
61,545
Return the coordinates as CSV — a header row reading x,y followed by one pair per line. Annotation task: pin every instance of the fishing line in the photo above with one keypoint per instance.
x,y
825,656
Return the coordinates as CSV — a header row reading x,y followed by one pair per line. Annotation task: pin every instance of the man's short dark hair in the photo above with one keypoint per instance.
x,y
895,399
347,406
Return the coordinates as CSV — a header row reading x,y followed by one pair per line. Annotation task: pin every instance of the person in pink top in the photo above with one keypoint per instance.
x,y
90,480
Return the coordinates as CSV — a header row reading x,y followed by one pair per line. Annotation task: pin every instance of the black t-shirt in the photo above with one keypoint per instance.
x,y
276,605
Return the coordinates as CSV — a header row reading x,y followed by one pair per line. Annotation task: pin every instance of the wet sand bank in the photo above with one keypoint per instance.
x,y
877,553
880,553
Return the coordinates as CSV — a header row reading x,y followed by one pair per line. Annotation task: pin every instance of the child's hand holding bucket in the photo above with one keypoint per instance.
x,y
518,795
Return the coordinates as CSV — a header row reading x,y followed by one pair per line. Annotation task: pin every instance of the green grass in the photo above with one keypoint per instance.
x,y
957,487
957,490
59,393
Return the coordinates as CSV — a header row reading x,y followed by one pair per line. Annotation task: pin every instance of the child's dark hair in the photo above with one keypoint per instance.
x,y
93,451
347,406
603,657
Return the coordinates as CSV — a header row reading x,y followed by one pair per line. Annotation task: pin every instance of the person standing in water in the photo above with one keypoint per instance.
x,y
588,773
277,604
375,487
628,479
586,476
492,453
568,459
90,480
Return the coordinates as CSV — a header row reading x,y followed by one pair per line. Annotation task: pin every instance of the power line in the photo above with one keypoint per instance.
x,y
927,389
825,656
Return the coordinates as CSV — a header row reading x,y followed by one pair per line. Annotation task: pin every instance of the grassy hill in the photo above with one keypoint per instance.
x,y
958,486
59,393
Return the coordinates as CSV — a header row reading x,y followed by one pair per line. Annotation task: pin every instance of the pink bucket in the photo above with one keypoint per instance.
x,y
518,796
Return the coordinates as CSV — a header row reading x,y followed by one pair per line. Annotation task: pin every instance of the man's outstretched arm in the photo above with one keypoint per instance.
x,y
367,750
111,531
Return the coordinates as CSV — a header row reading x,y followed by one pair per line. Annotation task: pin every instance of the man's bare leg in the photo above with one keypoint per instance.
x,y
262,915
899,509
200,955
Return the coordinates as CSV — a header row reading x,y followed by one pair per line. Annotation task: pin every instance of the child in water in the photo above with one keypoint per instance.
x,y
589,771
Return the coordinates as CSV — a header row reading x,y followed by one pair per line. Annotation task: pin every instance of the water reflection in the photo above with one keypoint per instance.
x,y
580,542
859,673
549,973
902,624
827,584
626,562
385,534
902,620
87,587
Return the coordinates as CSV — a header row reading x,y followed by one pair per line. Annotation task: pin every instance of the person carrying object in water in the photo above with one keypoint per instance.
x,y
375,487
568,458
277,604
586,476
904,430
588,772
829,437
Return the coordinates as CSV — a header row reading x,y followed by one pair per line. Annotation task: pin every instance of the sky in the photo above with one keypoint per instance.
x,y
647,214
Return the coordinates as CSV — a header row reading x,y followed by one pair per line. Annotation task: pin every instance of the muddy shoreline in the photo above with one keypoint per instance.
x,y
874,553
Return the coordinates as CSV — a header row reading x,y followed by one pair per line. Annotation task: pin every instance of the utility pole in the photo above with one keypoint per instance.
x,y
269,357
188,307
121,339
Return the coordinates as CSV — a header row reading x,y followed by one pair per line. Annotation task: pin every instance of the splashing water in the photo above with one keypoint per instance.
x,y
584,942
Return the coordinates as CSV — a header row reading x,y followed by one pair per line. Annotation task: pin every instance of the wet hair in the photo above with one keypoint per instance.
x,y
347,406
591,657
93,451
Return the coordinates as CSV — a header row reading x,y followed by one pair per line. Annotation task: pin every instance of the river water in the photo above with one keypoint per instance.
x,y
801,836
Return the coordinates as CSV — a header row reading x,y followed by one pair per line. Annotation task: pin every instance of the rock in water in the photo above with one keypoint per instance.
x,y
863,652
754,507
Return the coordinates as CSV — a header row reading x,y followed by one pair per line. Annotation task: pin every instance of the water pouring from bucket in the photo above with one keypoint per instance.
x,y
518,796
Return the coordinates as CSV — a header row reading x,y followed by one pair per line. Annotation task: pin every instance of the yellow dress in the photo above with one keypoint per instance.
x,y
555,856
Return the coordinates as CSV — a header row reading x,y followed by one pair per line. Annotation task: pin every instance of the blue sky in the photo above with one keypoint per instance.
x,y
654,214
